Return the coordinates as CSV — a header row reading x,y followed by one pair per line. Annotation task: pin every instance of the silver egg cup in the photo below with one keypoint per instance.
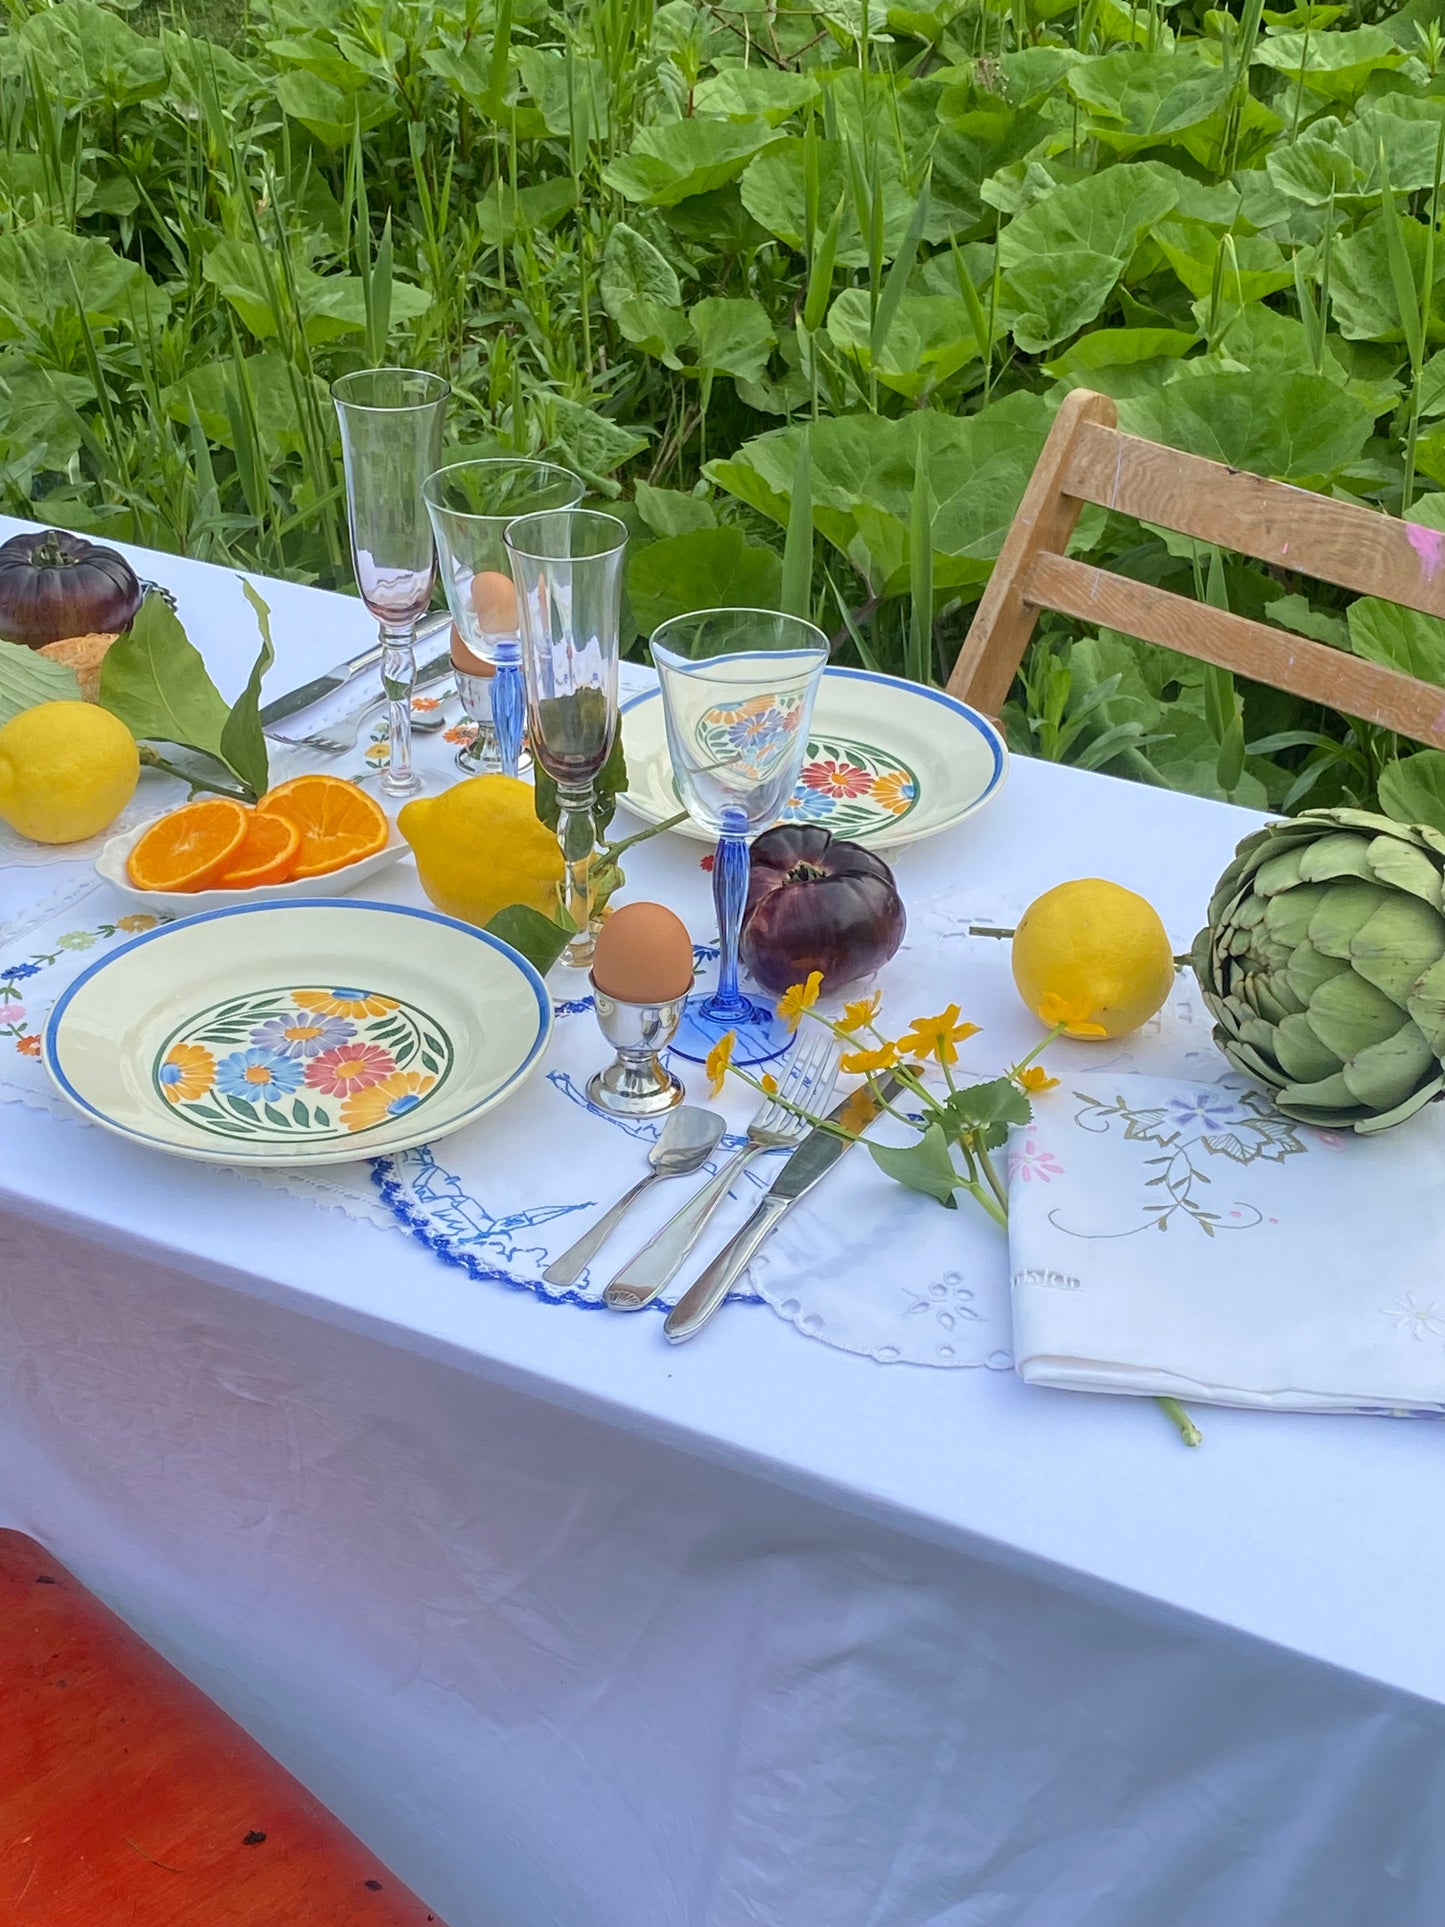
x,y
636,1083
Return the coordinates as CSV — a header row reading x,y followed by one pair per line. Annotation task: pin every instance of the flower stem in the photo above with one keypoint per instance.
x,y
1177,1416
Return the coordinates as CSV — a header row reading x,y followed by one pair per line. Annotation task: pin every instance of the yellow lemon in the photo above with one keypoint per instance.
x,y
66,770
1094,957
480,847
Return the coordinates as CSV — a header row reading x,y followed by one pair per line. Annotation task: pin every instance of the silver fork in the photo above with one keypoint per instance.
x,y
335,738
808,1081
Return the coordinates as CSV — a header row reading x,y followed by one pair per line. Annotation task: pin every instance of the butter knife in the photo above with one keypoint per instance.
x,y
337,677
812,1161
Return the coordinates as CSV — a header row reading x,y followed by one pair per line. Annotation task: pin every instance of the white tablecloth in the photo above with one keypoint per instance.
x,y
581,1631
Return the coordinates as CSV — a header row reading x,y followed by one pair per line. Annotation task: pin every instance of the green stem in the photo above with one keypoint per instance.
x,y
611,850
1177,1416
995,1184
990,1204
152,759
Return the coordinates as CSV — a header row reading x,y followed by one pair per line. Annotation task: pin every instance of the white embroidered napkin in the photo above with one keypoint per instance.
x,y
1169,1237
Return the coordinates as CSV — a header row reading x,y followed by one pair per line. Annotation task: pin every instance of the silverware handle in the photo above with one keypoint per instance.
x,y
567,1269
656,1264
702,1298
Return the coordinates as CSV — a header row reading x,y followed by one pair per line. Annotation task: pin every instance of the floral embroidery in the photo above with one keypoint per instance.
x,y
12,1013
1421,1321
1030,1161
77,940
17,973
187,1072
352,1068
344,1002
1191,1129
300,1033
136,922
28,1046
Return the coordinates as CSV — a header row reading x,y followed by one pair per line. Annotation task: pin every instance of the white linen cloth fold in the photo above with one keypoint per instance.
x,y
1178,1238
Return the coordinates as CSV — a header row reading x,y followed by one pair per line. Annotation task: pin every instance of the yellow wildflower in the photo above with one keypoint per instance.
x,y
1076,1017
1035,1079
798,998
858,1063
860,1110
770,1083
718,1059
938,1036
860,1012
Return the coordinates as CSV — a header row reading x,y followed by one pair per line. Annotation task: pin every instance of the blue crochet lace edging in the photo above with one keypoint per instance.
x,y
451,1253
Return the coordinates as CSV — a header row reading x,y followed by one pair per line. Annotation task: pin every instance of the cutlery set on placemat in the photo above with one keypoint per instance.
x,y
684,1145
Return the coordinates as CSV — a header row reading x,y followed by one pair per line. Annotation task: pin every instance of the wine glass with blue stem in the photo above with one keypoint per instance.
x,y
470,505
738,687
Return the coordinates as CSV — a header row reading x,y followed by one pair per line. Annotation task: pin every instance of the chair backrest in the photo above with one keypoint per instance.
x,y
1087,459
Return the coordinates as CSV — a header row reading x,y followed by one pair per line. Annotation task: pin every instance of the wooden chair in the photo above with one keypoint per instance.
x,y
128,1800
1087,459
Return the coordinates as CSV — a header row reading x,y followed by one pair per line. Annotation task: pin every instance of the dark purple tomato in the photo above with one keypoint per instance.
x,y
54,585
815,903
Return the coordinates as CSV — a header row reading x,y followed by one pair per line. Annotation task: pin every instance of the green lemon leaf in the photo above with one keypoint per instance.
x,y
154,679
28,678
533,936
925,1166
243,745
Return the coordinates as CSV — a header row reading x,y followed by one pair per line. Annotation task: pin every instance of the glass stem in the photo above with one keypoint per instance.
x,y
398,678
730,869
577,833
509,699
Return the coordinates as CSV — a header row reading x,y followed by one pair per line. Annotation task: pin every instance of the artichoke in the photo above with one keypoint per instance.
x,y
1323,964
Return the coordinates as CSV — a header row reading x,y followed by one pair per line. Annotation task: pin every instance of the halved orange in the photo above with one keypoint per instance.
x,y
268,855
339,823
188,849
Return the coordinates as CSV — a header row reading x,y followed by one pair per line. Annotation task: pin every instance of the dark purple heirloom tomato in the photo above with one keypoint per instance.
x,y
54,585
818,904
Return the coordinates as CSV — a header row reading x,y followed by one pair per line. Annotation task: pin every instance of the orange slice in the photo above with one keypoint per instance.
x,y
339,823
268,855
188,849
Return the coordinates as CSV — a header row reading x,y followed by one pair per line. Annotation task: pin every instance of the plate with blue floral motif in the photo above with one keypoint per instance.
x,y
300,1033
886,762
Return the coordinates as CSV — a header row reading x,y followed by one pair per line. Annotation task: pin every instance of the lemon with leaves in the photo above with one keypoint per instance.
x,y
480,847
67,769
1092,957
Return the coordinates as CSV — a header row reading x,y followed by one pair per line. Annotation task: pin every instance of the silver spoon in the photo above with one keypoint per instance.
x,y
687,1140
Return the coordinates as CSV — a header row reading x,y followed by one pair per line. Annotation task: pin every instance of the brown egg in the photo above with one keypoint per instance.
x,y
495,601
463,658
643,955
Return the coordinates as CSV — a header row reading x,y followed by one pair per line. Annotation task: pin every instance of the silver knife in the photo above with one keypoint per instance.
x,y
336,678
812,1161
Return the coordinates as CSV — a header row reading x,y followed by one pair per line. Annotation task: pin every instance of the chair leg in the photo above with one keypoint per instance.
x,y
1045,520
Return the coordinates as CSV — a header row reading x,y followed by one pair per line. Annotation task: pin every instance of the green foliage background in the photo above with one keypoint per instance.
x,y
800,286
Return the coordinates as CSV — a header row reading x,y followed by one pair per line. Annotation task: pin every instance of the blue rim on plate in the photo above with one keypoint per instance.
x,y
855,788
51,1040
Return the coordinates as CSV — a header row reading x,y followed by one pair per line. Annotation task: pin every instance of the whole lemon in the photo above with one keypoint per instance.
x,y
480,847
1094,957
66,770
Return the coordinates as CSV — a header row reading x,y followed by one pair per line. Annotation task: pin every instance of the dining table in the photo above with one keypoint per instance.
x,y
579,1629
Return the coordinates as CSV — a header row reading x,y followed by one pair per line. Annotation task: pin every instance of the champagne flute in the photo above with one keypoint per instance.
x,y
738,687
391,440
470,505
567,567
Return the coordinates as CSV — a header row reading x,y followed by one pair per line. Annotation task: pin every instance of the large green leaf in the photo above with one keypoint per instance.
x,y
155,680
42,267
1248,266
931,337
328,112
679,158
1050,297
774,193
702,569
1296,428
1340,160
28,678
1400,638
741,93
273,386
1336,65
641,293
1362,290
86,52
571,90
731,335
1413,789
331,305
1105,214
1138,100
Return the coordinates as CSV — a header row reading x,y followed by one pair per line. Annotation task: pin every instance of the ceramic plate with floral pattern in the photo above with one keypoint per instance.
x,y
887,761
298,1033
